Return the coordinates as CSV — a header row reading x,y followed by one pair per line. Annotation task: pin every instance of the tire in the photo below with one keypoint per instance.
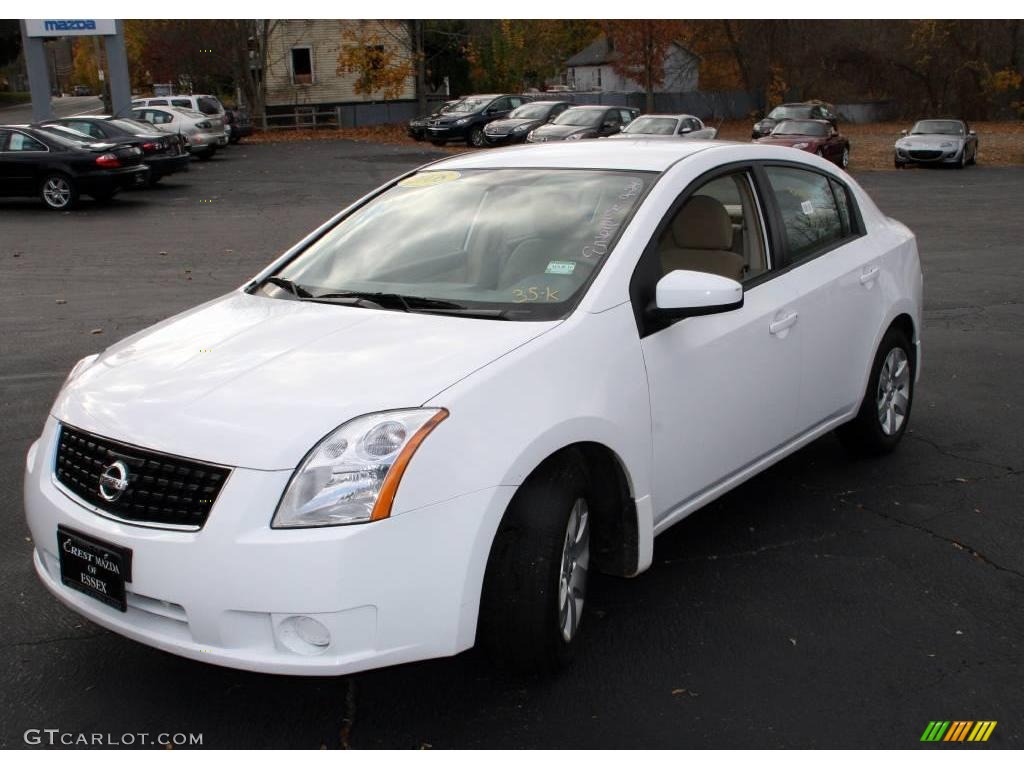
x,y
58,192
896,162
477,138
438,143
539,557
962,162
974,157
881,421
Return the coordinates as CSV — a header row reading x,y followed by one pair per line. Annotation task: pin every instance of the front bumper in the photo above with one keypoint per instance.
x,y
398,590
928,156
505,139
448,132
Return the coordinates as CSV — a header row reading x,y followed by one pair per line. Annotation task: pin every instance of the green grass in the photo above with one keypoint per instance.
x,y
14,97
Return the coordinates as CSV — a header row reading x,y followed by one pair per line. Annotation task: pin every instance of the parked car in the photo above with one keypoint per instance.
x,y
465,121
58,167
937,142
818,137
204,133
521,120
678,126
477,385
204,103
237,124
804,110
81,90
164,153
586,122
417,127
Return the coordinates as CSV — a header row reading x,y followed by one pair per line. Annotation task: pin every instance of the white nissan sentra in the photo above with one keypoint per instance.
x,y
426,423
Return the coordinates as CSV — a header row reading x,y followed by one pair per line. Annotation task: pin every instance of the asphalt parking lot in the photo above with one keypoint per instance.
x,y
826,603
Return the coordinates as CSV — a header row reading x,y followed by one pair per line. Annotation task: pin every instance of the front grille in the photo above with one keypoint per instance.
x,y
925,154
161,489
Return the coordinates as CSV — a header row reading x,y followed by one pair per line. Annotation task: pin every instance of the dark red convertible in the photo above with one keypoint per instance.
x,y
819,137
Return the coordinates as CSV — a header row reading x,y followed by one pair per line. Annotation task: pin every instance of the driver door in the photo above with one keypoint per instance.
x,y
723,387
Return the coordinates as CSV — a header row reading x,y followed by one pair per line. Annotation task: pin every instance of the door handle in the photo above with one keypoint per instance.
x,y
868,275
780,325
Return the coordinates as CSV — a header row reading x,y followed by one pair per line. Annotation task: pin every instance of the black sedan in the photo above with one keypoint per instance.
x,y
521,120
465,121
589,122
417,127
164,153
59,168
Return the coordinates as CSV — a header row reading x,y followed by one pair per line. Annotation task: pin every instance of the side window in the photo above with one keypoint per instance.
x,y
208,105
717,230
557,110
517,101
181,103
158,102
160,117
4,135
626,116
86,128
500,105
842,197
20,142
810,216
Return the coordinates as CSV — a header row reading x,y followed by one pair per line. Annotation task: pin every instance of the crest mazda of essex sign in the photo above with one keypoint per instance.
x,y
63,27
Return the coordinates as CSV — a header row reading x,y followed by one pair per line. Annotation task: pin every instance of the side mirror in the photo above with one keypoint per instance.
x,y
685,293
903,132
971,133
685,129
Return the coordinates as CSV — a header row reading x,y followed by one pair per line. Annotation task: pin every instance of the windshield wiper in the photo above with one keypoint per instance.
x,y
283,282
408,304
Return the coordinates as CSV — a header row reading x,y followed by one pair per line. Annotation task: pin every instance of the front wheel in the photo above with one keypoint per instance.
x,y
885,411
476,137
535,585
58,192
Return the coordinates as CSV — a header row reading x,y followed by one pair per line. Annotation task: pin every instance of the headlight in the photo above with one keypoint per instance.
x,y
521,128
462,121
529,136
947,145
801,145
351,476
574,136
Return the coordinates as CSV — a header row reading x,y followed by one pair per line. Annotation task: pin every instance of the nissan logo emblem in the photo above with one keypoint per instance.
x,y
114,481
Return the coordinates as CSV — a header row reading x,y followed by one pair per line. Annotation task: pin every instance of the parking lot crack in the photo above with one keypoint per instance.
x,y
977,554
952,455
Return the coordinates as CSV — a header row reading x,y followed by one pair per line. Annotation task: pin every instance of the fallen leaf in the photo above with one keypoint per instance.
x,y
62,301
163,253
792,640
96,331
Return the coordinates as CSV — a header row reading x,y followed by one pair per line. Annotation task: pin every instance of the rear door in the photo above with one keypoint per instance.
x,y
837,275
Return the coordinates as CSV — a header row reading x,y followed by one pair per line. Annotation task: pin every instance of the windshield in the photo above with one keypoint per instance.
x,y
781,113
584,117
661,126
945,127
800,128
532,111
469,105
522,241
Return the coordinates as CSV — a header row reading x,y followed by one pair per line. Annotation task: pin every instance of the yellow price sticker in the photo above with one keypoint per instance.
x,y
429,179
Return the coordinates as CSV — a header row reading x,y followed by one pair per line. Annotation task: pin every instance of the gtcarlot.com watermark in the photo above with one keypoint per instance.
x,y
55,737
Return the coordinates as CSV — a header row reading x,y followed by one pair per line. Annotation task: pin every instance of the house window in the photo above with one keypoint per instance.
x,y
302,65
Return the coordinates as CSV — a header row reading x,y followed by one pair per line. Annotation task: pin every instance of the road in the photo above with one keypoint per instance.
x,y
63,106
825,603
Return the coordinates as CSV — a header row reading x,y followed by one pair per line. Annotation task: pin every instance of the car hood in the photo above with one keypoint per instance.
x,y
552,131
790,140
928,140
255,382
504,126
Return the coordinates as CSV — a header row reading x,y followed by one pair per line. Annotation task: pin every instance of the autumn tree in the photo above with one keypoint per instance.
x,y
641,47
377,57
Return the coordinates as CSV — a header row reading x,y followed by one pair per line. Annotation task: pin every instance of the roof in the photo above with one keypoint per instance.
x,y
600,51
639,154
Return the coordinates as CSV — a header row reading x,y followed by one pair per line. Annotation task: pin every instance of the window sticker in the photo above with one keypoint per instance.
x,y
429,179
560,268
807,207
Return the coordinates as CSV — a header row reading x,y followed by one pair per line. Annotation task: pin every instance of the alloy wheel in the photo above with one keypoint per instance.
x,y
572,577
57,192
476,137
893,393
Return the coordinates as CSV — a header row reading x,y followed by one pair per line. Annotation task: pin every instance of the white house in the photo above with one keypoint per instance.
x,y
591,70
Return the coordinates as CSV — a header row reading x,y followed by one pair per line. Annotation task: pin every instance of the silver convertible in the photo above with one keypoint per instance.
x,y
937,142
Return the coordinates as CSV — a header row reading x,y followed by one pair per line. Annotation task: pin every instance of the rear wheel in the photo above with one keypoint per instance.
x,y
536,580
885,411
58,192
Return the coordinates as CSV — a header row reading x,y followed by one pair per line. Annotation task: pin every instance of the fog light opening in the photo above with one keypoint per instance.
x,y
304,635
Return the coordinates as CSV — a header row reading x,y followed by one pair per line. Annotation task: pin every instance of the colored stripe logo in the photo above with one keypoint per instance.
x,y
958,730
